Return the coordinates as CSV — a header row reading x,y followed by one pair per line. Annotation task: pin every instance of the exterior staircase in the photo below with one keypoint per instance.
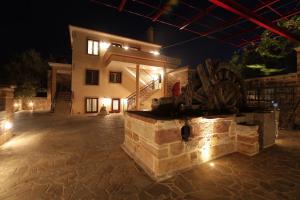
x,y
146,92
62,102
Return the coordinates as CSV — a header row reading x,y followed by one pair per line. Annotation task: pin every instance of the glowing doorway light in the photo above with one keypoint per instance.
x,y
106,101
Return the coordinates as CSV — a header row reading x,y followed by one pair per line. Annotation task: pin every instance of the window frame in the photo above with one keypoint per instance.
x,y
87,47
98,81
121,79
97,105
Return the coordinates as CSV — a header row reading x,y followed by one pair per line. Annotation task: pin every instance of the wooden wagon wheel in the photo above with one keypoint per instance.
x,y
226,95
188,95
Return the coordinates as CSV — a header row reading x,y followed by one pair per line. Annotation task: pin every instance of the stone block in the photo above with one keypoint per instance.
x,y
129,145
246,129
177,148
221,126
169,124
158,153
167,136
247,139
218,139
143,155
232,129
145,131
248,149
201,129
165,166
195,144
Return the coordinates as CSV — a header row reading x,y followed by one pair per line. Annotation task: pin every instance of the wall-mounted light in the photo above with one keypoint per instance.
x,y
7,125
16,105
126,47
156,53
104,45
30,104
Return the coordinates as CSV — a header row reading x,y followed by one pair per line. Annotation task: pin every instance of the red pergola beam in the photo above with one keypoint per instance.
x,y
197,17
258,37
236,19
162,22
240,10
254,28
121,5
159,12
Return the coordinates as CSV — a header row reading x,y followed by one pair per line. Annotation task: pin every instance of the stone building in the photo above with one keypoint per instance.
x,y
109,70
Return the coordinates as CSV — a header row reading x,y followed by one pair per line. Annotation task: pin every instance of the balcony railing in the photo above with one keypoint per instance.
x,y
139,57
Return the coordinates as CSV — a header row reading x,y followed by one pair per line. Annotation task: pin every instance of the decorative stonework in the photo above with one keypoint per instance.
x,y
157,145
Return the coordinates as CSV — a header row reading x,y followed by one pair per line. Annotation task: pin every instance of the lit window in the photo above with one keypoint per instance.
x,y
91,77
115,77
93,47
91,105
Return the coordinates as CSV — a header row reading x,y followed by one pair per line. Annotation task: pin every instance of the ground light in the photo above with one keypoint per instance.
x,y
7,125
212,164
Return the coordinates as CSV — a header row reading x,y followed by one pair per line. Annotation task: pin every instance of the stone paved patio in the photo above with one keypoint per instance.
x,y
53,157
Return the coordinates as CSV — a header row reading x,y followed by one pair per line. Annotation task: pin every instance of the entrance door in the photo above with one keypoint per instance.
x,y
115,105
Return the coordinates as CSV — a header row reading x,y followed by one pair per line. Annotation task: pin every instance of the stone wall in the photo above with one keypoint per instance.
x,y
6,113
157,145
39,103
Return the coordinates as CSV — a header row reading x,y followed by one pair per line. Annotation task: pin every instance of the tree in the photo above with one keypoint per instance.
x,y
273,54
28,71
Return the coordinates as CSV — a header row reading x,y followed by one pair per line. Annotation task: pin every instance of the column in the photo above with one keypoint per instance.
x,y
297,90
53,82
165,87
137,87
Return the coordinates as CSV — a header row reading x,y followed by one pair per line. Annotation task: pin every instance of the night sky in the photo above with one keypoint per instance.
x,y
43,25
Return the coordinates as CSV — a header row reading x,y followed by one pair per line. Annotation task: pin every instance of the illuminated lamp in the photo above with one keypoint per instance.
x,y
104,45
7,125
156,53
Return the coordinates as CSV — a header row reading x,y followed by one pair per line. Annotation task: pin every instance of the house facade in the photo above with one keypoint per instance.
x,y
109,71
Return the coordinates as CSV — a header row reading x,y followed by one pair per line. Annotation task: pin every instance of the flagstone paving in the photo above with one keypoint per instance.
x,y
56,157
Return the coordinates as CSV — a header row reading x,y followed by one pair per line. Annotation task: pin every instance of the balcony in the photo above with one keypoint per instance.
x,y
138,57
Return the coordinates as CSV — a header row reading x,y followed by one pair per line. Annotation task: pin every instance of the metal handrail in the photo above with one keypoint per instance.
x,y
131,98
151,83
